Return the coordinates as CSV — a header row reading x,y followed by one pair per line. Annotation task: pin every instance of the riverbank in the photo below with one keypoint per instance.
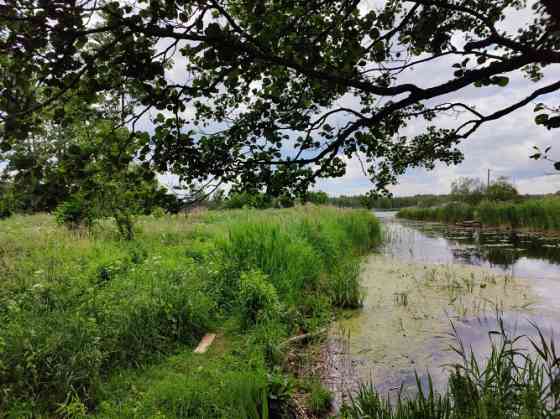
x,y
534,214
92,325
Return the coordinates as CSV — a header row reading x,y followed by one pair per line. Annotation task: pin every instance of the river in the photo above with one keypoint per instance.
x,y
406,325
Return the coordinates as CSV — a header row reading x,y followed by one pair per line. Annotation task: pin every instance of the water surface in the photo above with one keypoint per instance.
x,y
419,348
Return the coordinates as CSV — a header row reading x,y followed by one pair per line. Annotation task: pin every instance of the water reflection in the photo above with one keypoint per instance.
x,y
536,260
512,253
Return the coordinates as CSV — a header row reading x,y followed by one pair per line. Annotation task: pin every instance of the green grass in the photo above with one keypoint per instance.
x,y
92,324
538,214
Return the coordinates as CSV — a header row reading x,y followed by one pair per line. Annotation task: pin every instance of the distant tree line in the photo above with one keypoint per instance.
x,y
465,189
261,200
386,202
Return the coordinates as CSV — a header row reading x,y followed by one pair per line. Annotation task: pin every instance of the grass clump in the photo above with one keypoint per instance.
x,y
319,400
258,299
79,308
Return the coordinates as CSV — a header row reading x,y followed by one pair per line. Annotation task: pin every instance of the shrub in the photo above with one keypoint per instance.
x,y
258,299
75,212
248,200
7,204
158,212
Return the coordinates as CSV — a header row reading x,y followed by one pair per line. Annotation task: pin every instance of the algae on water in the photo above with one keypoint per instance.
x,y
404,325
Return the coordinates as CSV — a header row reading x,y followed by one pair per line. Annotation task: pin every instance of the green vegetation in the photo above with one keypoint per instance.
x,y
509,385
93,323
385,202
320,398
540,214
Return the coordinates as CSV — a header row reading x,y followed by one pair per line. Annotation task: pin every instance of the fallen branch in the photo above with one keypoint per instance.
x,y
302,338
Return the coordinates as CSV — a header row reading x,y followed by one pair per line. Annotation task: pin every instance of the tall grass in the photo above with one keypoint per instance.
x,y
541,214
77,307
511,384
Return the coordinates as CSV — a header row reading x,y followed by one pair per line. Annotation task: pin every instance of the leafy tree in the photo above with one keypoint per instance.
x,y
501,189
264,78
468,190
317,197
85,167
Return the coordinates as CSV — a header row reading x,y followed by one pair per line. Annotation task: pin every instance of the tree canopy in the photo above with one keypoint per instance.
x,y
275,93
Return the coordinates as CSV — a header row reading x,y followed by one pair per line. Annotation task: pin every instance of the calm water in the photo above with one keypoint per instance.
x,y
518,255
534,260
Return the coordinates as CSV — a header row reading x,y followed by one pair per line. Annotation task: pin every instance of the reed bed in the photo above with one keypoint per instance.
x,y
513,383
537,214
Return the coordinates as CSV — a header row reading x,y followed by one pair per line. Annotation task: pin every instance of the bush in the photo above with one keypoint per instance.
x,y
158,212
258,299
7,205
75,212
248,200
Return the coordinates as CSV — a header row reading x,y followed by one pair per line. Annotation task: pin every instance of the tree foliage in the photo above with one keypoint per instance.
x,y
84,168
501,189
468,190
276,93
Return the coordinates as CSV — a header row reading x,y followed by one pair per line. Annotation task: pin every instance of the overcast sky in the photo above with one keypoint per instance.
x,y
503,146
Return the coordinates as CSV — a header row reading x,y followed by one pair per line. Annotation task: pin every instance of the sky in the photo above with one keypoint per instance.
x,y
503,146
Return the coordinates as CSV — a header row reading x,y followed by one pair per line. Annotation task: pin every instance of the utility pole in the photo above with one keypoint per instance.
x,y
488,182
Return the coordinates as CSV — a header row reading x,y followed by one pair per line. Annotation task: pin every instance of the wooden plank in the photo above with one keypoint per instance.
x,y
205,343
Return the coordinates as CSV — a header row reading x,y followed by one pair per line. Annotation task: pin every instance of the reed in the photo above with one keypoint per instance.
x,y
537,214
512,383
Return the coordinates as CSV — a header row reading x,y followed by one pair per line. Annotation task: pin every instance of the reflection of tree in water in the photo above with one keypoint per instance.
x,y
501,249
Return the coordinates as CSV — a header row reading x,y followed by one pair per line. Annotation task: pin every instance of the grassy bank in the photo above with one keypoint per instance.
x,y
95,325
539,214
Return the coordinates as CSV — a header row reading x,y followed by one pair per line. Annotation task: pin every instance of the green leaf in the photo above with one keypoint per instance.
x,y
501,81
541,119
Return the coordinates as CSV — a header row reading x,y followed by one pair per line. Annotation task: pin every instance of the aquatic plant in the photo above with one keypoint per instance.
x,y
540,214
511,383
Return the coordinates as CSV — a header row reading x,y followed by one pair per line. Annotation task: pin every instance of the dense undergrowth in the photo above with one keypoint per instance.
x,y
542,214
93,324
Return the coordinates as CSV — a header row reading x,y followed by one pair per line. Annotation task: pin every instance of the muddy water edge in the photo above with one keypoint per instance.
x,y
428,279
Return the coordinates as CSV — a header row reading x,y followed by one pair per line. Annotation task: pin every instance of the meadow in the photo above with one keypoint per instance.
x,y
95,325
536,214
